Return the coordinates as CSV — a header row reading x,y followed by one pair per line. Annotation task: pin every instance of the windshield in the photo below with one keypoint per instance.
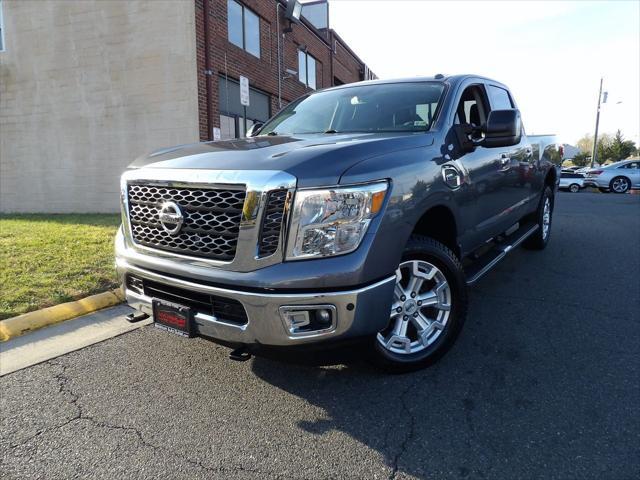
x,y
393,107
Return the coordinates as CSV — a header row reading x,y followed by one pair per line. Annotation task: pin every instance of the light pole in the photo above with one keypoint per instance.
x,y
595,135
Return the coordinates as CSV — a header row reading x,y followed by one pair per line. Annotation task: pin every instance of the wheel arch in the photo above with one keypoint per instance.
x,y
439,223
551,179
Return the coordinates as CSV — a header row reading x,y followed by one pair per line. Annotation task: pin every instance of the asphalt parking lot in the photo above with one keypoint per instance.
x,y
544,382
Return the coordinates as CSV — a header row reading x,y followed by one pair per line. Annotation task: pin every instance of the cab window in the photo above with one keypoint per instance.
x,y
500,98
473,107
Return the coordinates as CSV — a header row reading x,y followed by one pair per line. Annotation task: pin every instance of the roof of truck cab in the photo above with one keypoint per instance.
x,y
451,79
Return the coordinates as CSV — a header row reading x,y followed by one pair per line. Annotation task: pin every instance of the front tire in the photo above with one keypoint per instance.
x,y
544,215
574,188
620,185
428,310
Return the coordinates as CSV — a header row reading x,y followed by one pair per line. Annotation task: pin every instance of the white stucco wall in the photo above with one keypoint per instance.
x,y
85,87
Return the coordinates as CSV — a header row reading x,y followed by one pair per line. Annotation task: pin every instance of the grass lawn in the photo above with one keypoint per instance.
x,y
50,259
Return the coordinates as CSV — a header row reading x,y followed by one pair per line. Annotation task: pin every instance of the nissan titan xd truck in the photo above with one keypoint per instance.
x,y
360,213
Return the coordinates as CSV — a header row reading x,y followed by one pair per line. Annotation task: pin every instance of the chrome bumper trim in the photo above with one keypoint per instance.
x,y
360,311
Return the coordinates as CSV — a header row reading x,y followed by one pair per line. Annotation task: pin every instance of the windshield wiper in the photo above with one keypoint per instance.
x,y
272,133
331,130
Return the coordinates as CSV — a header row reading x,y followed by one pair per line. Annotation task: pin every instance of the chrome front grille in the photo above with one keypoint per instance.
x,y
272,223
211,219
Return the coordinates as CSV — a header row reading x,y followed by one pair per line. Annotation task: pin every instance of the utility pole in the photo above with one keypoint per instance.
x,y
595,136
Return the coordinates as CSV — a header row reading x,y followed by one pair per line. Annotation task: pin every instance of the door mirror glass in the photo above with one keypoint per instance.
x,y
253,130
503,128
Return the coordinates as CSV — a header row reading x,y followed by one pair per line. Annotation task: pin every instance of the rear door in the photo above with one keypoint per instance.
x,y
632,170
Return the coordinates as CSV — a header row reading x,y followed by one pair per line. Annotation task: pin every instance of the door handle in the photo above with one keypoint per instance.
x,y
505,162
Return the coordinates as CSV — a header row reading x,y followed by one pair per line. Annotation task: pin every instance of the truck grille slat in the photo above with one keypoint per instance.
x,y
211,219
272,223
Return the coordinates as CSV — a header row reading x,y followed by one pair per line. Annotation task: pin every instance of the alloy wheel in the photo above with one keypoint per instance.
x,y
546,218
620,185
421,308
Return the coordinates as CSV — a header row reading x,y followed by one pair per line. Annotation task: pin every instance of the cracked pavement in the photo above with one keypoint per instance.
x,y
544,382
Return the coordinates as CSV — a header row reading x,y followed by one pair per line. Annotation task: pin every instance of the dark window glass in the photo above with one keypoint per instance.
x,y
500,99
311,72
234,23
243,27
302,66
307,66
252,33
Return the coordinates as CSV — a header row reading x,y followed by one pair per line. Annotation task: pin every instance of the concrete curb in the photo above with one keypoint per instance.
x,y
16,326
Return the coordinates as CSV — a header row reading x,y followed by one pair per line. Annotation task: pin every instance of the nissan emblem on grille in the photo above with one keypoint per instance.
x,y
170,217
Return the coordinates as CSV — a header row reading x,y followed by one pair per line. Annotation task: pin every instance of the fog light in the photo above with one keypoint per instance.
x,y
301,320
323,317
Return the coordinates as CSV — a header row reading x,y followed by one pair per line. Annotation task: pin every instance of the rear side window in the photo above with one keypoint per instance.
x,y
500,99
633,165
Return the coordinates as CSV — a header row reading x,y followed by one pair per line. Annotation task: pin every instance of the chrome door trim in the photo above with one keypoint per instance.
x,y
256,183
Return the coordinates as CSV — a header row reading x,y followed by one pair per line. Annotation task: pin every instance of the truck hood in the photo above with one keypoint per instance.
x,y
317,159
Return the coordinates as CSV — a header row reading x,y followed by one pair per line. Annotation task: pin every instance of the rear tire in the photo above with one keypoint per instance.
x,y
544,216
428,310
620,185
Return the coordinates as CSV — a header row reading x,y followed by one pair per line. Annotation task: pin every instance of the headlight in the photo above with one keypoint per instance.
x,y
332,221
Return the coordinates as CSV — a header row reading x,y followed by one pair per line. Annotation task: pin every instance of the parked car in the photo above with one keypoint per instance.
x,y
618,177
571,181
347,218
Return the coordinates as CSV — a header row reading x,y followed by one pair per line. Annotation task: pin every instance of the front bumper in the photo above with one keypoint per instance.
x,y
358,312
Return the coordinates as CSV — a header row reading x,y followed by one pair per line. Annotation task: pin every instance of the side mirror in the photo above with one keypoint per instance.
x,y
253,130
503,128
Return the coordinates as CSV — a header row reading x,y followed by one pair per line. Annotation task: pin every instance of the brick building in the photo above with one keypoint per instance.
x,y
87,86
281,59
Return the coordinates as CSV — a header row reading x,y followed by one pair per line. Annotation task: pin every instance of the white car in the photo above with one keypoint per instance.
x,y
571,181
619,177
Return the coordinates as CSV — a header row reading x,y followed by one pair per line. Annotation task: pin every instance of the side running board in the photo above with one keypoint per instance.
x,y
492,257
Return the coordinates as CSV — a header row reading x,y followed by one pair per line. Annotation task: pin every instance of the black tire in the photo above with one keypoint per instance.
x,y
538,240
574,188
427,249
623,182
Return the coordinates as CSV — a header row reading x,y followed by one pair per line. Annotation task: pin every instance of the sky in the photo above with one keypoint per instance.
x,y
550,54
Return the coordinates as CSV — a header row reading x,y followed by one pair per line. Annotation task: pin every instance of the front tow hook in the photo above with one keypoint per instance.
x,y
240,354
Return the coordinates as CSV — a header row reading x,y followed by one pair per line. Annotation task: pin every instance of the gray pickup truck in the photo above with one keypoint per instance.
x,y
359,213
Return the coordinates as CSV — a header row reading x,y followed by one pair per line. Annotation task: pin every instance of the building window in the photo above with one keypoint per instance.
x,y
244,27
232,112
307,69
1,29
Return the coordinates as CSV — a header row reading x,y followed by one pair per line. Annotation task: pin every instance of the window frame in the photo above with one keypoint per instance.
x,y
243,22
306,69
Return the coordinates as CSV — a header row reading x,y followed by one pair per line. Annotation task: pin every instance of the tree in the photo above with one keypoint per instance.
x,y
582,159
585,144
610,148
621,148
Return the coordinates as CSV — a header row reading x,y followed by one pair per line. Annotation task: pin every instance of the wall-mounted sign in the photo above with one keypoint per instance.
x,y
216,133
244,91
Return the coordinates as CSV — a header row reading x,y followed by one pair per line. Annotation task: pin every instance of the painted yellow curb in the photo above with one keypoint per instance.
x,y
16,326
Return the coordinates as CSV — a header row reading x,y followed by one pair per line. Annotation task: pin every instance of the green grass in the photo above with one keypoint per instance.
x,y
50,259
